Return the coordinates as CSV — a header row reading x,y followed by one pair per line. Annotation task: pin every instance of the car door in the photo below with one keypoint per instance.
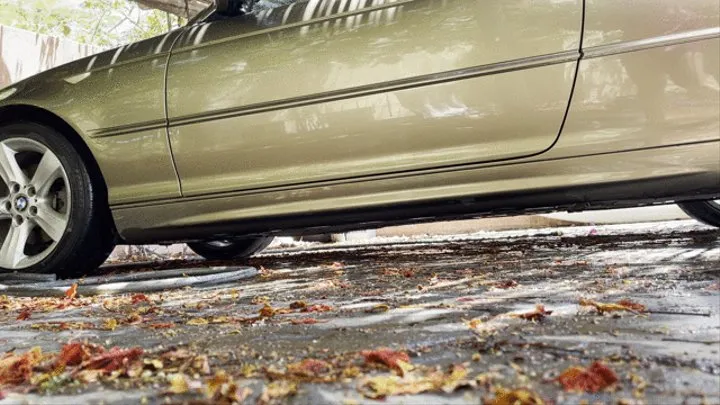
x,y
324,90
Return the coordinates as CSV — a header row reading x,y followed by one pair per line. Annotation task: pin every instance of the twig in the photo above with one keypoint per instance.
x,y
707,314
705,342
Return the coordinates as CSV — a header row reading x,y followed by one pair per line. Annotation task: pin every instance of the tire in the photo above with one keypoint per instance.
x,y
704,211
231,249
41,206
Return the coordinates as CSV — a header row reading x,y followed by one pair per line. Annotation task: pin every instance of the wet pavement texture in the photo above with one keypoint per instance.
x,y
445,301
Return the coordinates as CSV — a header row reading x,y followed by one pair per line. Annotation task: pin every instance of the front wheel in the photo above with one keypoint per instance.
x,y
231,248
53,218
704,211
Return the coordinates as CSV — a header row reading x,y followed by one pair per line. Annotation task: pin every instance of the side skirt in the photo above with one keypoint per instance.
x,y
615,180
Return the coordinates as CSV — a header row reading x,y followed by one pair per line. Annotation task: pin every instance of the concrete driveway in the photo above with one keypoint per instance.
x,y
452,319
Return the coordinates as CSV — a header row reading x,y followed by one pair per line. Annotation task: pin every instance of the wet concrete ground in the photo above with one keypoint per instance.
x,y
421,296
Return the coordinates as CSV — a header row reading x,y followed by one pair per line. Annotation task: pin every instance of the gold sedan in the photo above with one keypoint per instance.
x,y
263,118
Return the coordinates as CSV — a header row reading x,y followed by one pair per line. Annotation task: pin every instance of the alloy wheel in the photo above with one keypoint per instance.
x,y
34,202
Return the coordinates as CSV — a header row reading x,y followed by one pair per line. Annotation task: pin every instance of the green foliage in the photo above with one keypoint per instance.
x,y
104,23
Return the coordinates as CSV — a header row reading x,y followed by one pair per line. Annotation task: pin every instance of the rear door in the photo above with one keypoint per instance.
x,y
324,90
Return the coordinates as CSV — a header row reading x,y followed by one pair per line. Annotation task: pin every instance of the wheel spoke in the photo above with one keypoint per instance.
x,y
51,221
4,213
12,251
48,170
9,169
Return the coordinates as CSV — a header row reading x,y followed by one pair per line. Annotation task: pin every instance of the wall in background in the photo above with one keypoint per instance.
x,y
23,53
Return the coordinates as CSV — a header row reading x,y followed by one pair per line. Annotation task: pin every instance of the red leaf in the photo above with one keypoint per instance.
x,y
72,291
537,315
318,308
506,284
24,315
310,368
137,298
387,357
17,369
112,360
593,379
72,354
632,305
305,321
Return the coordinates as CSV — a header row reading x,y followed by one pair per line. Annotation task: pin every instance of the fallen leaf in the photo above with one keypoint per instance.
x,y
260,300
112,360
305,321
138,298
277,390
59,326
72,354
378,309
474,323
382,386
198,321
593,379
178,384
110,324
506,284
310,368
222,389
602,307
71,292
24,315
298,305
387,357
267,311
537,315
632,305
520,396
17,369
318,308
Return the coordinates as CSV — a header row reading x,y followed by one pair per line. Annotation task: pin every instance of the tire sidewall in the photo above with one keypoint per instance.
x,y
79,183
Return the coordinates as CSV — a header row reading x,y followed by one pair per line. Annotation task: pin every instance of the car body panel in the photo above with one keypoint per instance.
x,y
645,85
641,128
123,125
331,140
316,91
489,189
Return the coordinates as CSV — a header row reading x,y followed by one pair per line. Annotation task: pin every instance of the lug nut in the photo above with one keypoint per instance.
x,y
31,191
8,206
15,188
19,220
33,210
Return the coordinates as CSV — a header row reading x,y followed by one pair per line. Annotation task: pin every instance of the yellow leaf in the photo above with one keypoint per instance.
x,y
178,384
474,323
260,300
378,309
198,321
110,324
404,367
515,397
267,311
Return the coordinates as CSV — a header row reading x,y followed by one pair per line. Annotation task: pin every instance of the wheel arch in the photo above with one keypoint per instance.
x,y
23,112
